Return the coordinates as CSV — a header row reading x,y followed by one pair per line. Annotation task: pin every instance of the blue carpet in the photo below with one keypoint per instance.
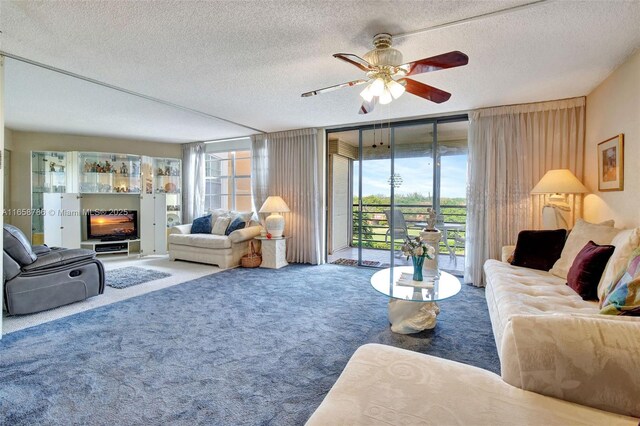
x,y
245,346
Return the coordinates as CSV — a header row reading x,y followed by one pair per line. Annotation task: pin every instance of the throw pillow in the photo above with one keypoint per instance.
x,y
580,235
216,213
625,242
237,223
245,216
539,249
586,270
201,225
623,297
220,226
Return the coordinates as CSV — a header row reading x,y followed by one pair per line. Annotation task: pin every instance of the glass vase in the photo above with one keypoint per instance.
x,y
418,261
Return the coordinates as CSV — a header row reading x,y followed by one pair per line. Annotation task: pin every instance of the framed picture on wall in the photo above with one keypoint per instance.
x,y
611,164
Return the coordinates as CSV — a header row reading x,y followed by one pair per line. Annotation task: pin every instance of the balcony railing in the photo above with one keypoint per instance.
x,y
375,225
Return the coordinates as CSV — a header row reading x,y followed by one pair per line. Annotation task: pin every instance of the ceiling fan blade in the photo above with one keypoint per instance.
x,y
354,60
435,63
368,106
424,91
332,88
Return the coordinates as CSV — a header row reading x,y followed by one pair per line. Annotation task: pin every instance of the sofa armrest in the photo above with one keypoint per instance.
x,y
507,251
586,359
180,229
58,258
41,250
245,234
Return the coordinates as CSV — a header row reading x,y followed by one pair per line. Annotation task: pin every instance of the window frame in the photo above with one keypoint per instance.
x,y
232,178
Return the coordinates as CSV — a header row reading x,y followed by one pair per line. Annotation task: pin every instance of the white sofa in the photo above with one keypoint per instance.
x,y
561,363
552,342
221,250
383,385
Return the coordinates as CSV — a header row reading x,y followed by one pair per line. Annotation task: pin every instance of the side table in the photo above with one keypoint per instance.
x,y
274,252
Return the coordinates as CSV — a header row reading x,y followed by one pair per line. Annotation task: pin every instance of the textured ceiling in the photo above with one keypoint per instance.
x,y
249,61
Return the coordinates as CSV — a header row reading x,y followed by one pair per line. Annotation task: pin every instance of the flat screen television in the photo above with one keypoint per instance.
x,y
112,224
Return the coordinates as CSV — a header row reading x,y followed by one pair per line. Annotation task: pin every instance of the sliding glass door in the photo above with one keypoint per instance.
x,y
390,176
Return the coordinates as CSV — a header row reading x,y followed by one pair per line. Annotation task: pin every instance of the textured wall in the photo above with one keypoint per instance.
x,y
613,107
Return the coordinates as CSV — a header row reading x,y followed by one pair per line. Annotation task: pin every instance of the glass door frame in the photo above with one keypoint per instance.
x,y
391,126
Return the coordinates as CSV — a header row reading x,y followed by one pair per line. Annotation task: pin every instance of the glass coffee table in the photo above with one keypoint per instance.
x,y
411,308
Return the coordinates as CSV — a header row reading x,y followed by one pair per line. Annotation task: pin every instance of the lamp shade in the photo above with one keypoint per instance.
x,y
559,181
274,204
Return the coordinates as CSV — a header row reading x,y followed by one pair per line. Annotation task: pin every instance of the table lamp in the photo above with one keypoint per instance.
x,y
558,183
275,221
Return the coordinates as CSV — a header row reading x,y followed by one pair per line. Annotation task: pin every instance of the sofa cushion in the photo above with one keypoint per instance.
x,y
17,246
201,240
201,225
236,224
623,297
586,271
580,235
220,226
539,249
626,242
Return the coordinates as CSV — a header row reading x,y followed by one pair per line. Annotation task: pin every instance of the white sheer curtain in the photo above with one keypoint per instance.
x,y
259,170
510,149
193,175
286,164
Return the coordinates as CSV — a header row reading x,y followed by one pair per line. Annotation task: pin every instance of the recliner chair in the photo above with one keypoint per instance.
x,y
40,278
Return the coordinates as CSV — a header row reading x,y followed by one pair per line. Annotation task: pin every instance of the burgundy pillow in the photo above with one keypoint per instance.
x,y
539,249
588,266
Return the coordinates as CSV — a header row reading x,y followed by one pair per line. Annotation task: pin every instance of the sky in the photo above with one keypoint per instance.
x,y
417,176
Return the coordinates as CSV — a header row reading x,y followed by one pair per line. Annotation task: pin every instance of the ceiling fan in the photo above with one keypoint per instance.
x,y
387,74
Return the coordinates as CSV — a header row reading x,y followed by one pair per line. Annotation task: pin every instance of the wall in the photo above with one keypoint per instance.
x,y
613,107
22,143
6,172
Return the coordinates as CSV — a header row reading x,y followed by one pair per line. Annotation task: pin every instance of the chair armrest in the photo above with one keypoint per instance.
x,y
59,258
245,234
591,360
41,250
180,229
507,251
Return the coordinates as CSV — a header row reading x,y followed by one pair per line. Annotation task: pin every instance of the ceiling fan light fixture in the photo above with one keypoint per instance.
x,y
396,89
366,94
377,87
385,98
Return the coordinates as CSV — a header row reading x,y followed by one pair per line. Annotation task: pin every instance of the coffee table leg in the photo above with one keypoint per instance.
x,y
412,317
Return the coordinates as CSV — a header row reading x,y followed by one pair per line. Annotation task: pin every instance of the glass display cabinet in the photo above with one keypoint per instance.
x,y
168,180
48,175
109,173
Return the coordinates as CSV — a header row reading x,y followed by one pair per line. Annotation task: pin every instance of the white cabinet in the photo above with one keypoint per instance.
x,y
153,223
62,220
118,177
160,221
147,224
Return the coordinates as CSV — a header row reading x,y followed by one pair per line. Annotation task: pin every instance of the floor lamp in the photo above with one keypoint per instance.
x,y
557,184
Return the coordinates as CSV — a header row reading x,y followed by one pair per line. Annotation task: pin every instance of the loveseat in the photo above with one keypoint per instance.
x,y
562,362
224,251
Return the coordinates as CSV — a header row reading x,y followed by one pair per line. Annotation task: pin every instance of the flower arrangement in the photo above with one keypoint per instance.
x,y
416,247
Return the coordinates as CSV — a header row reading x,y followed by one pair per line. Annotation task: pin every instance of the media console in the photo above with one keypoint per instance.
x,y
109,247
